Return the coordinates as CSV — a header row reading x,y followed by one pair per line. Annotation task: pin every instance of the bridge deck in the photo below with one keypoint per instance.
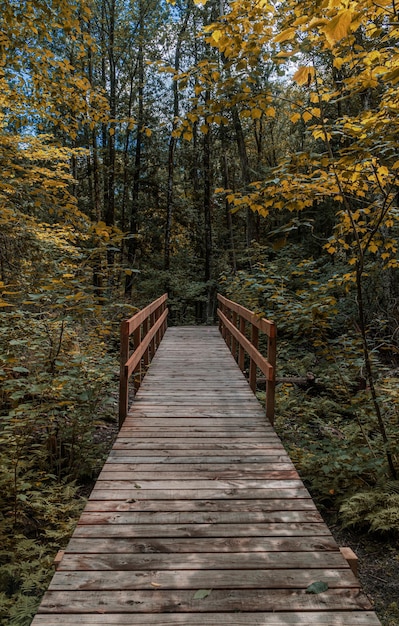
x,y
199,517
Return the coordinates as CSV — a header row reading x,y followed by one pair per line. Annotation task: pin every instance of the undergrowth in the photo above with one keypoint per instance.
x,y
57,381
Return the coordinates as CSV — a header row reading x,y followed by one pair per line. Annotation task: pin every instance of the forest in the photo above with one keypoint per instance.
x,y
248,147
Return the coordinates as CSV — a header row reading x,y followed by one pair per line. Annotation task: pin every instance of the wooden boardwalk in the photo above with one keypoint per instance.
x,y
199,517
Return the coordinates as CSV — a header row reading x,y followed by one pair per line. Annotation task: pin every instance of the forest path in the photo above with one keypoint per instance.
x,y
199,516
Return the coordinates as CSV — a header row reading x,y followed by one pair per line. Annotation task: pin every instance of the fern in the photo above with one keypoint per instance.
x,y
376,509
23,612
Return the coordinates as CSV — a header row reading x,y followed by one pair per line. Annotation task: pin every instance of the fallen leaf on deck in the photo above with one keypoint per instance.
x,y
317,587
202,593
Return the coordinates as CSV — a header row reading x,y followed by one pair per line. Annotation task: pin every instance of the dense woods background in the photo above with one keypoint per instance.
x,y
249,147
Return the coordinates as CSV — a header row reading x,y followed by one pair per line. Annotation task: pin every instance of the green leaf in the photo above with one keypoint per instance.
x,y
202,593
317,587
20,369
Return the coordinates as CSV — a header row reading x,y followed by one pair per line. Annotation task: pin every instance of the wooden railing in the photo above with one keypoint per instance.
x,y
236,324
147,327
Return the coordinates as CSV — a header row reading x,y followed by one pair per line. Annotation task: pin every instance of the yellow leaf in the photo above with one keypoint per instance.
x,y
304,75
256,114
295,118
188,135
307,116
204,128
148,132
338,27
338,63
286,35
383,171
216,35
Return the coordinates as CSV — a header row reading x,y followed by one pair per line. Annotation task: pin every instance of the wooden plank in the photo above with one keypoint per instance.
x,y
197,579
187,423
137,475
226,504
268,470
237,409
160,601
178,456
169,459
203,484
201,433
154,444
323,552
193,494
213,529
200,517
199,484
173,451
315,618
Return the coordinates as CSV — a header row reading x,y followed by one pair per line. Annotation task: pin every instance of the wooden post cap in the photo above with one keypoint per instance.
x,y
351,558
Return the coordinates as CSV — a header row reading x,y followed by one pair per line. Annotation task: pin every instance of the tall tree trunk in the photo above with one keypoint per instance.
x,y
208,220
109,186
173,140
126,158
229,217
245,171
133,230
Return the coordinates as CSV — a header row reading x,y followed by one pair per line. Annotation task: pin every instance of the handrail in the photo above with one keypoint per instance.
x,y
148,326
233,322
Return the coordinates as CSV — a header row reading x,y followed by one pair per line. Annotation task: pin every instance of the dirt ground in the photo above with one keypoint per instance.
x,y
378,568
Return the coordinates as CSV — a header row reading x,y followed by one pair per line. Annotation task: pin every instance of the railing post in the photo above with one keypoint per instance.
x,y
146,356
234,341
271,382
152,344
241,351
137,371
123,379
252,364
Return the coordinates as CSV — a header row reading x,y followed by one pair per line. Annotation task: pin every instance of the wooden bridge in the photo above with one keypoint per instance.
x,y
199,517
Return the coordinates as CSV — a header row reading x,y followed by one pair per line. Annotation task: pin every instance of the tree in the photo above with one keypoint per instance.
x,y
346,81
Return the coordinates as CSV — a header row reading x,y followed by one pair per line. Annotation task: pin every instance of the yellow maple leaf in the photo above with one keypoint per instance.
x,y
338,27
304,75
